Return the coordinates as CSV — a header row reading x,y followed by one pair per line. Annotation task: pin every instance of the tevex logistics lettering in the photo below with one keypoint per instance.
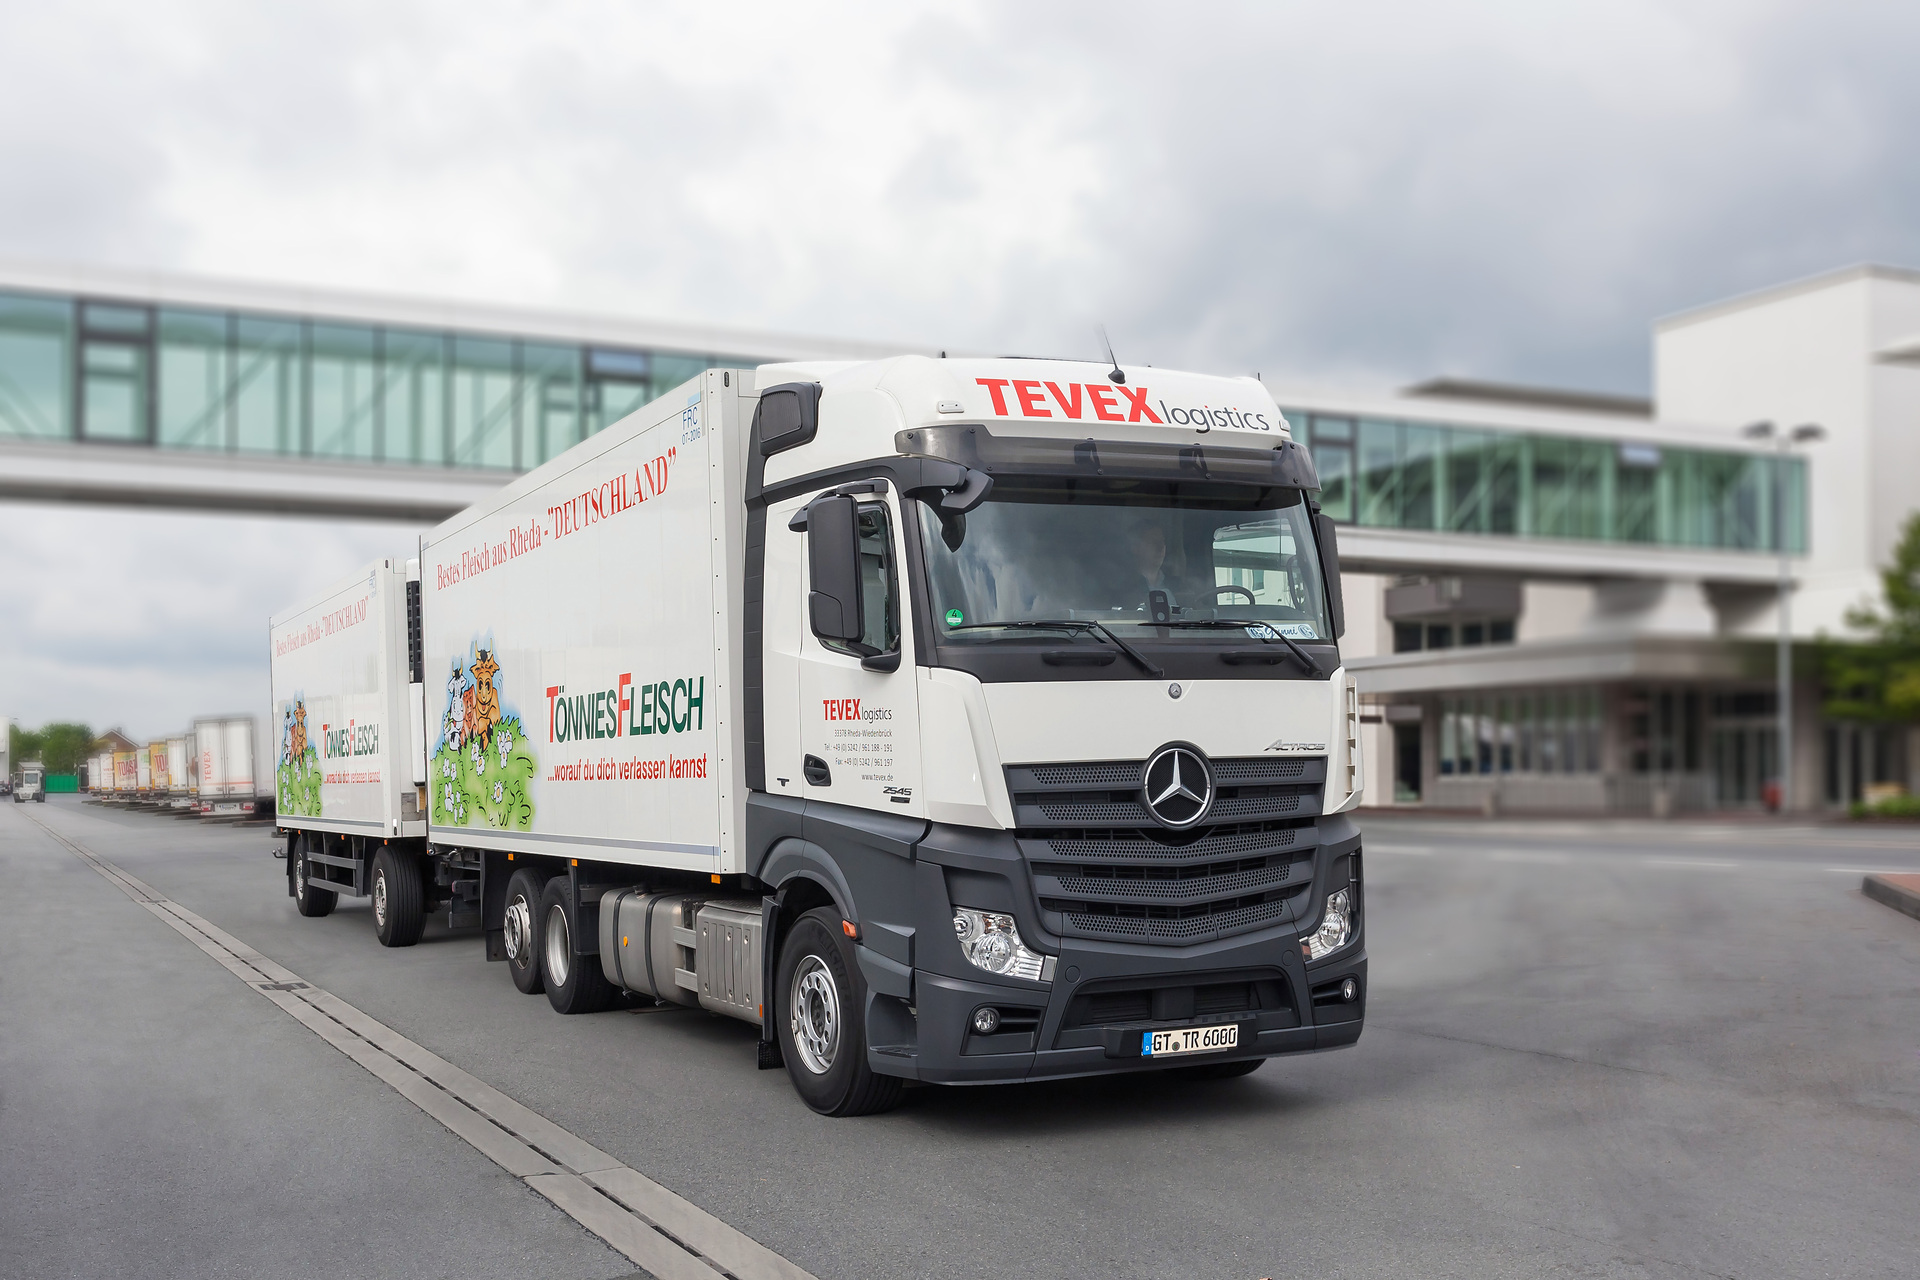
x,y
1076,399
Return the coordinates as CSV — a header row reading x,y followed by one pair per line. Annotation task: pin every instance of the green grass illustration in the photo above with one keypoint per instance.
x,y
486,786
300,785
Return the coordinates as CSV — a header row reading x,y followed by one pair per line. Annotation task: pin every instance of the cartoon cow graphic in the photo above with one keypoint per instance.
x,y
484,708
452,726
297,739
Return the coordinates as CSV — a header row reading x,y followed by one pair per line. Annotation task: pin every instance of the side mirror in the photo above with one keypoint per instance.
x,y
833,569
787,416
1330,572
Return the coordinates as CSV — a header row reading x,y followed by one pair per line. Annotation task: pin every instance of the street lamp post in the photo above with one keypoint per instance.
x,y
1784,441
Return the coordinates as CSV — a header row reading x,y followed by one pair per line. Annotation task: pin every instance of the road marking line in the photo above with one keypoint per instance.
x,y
1410,850
656,1229
1708,864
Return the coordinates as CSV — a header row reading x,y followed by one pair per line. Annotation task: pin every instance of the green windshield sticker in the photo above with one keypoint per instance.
x,y
955,617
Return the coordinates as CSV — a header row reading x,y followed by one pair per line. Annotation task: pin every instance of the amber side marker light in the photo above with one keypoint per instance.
x,y
846,927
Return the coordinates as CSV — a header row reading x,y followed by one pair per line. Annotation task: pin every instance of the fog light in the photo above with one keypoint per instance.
x,y
986,1021
1336,927
991,941
1349,991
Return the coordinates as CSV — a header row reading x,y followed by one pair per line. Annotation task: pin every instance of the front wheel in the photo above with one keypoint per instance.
x,y
820,1017
399,899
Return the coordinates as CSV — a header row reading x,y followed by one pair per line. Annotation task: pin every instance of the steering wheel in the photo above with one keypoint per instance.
x,y
1242,590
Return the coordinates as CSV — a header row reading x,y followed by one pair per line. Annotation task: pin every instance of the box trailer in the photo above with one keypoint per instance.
x,y
951,721
180,765
225,747
126,775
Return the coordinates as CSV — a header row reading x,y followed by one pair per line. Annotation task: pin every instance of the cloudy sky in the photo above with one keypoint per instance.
x,y
1367,193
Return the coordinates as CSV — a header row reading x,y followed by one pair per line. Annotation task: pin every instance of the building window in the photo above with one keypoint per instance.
x,y
1406,637
1439,635
1462,478
1536,731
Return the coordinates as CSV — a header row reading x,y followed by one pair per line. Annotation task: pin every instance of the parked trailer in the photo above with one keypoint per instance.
x,y
126,775
225,745
180,767
951,721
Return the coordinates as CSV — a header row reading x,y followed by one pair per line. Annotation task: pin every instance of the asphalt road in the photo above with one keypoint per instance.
x,y
1592,1050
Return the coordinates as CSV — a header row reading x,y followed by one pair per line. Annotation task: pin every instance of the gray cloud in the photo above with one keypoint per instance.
x,y
1376,192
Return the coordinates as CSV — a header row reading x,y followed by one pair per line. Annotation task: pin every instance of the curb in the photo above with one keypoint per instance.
x,y
1902,893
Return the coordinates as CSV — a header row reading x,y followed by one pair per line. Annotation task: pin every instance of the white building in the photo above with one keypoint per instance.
x,y
1639,675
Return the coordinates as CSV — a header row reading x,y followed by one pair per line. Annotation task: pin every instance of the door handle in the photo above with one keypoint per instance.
x,y
814,769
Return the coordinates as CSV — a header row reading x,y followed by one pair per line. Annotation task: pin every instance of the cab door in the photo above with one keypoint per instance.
x,y
859,722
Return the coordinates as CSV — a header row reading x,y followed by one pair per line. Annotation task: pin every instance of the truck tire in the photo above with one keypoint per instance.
x,y
1218,1070
310,901
399,898
575,983
521,931
819,1014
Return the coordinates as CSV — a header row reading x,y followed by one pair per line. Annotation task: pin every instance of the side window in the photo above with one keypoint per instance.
x,y
879,592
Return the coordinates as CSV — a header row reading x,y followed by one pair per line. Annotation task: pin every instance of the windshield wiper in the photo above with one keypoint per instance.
x,y
1306,659
1070,624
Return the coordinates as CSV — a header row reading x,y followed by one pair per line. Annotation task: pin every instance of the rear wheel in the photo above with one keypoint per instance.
x,y
820,1017
309,900
399,898
521,931
575,983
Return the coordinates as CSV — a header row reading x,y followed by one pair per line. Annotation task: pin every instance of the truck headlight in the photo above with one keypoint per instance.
x,y
991,941
1336,927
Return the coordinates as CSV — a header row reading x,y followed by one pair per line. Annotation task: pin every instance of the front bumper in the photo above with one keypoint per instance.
x,y
1091,1018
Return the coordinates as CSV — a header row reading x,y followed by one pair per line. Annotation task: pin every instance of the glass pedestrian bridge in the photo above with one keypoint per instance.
x,y
125,372
1626,487
179,380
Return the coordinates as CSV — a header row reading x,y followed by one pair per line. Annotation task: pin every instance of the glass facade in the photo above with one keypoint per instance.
x,y
1455,478
248,382
1554,730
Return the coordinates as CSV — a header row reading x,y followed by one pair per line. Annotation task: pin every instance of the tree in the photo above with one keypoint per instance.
x,y
1877,681
60,747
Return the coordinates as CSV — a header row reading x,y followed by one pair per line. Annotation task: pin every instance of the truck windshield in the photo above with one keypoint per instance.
x,y
1141,558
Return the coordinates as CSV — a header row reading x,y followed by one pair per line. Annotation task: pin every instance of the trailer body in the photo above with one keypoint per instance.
x,y
225,745
345,759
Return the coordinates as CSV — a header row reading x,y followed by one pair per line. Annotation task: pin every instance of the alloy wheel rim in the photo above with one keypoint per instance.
x,y
559,946
380,897
519,931
814,1015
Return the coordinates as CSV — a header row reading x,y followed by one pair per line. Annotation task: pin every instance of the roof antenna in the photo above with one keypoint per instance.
x,y
1116,375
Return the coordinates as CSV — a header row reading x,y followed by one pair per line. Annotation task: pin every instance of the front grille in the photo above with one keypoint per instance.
x,y
1219,841
1142,922
1103,868
1177,884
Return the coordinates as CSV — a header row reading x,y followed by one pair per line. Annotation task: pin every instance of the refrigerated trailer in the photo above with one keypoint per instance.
x,y
180,768
226,751
952,721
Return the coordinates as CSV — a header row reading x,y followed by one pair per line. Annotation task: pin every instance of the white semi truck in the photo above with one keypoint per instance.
x,y
952,721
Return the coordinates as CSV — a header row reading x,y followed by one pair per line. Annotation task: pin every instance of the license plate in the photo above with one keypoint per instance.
x,y
1166,1044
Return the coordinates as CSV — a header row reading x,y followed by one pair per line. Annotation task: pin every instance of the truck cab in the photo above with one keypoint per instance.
x,y
32,784
1052,710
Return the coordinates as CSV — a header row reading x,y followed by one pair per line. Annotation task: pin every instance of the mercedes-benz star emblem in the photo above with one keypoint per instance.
x,y
1177,786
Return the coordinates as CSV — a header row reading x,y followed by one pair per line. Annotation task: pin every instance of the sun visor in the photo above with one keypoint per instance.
x,y
973,445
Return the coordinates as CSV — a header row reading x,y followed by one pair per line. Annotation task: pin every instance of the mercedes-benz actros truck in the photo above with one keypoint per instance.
x,y
952,721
